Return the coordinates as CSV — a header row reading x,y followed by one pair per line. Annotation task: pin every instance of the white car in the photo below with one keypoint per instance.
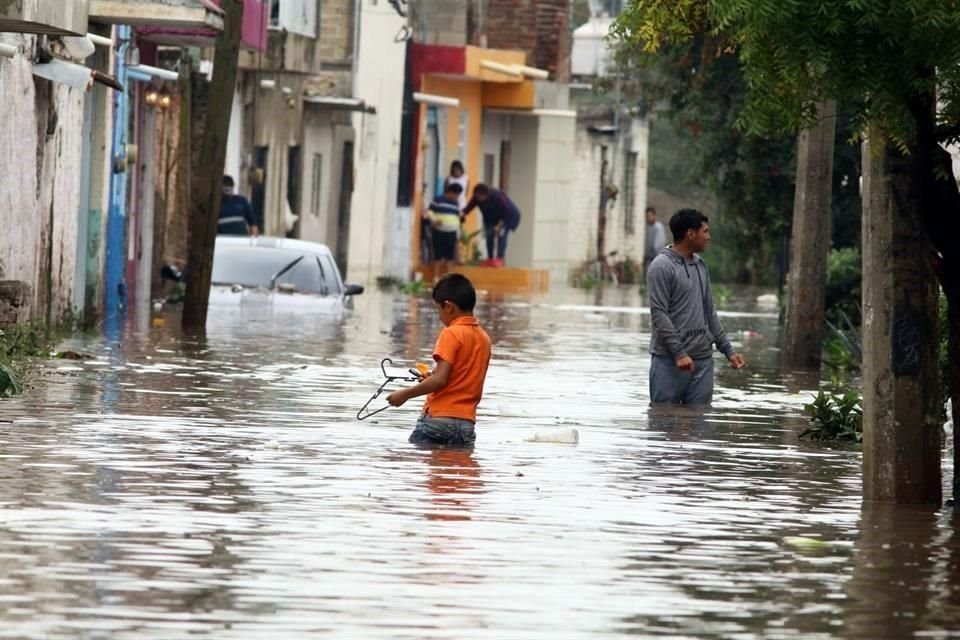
x,y
278,272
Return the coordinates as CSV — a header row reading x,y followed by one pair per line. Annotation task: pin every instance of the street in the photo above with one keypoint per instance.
x,y
224,487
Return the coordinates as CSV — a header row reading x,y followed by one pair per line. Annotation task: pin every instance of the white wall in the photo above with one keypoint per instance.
x,y
234,162
379,81
585,199
41,181
316,225
554,187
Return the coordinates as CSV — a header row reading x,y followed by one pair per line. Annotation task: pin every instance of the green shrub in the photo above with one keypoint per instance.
x,y
835,417
843,287
9,385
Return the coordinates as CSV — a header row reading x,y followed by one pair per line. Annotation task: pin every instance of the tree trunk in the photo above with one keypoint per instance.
x,y
901,434
207,187
810,243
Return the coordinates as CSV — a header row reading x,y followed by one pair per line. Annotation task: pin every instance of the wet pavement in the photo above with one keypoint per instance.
x,y
224,488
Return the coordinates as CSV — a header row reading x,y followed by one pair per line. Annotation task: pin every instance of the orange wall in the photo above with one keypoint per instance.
x,y
470,94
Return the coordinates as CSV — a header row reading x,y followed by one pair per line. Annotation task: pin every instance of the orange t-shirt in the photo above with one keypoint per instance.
x,y
466,348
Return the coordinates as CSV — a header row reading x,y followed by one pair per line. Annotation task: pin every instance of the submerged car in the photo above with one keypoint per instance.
x,y
280,272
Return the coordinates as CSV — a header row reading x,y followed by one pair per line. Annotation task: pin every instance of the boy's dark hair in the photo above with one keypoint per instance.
x,y
455,288
481,190
453,187
456,164
228,181
652,210
686,220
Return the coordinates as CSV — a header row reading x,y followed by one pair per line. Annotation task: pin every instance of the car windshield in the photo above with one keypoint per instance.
x,y
256,266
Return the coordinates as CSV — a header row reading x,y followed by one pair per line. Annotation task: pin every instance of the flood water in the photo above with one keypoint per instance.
x,y
223,488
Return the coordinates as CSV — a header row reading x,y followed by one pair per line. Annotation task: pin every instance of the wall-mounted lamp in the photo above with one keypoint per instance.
x,y
8,51
268,85
158,99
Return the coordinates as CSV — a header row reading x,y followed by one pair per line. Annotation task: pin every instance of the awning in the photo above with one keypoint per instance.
x,y
186,14
343,104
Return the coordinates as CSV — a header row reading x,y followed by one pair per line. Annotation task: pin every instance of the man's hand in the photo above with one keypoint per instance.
x,y
685,363
397,398
254,231
737,361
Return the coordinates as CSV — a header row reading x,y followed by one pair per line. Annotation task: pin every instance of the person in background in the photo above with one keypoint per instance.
x,y
685,322
459,176
236,215
654,240
444,216
500,216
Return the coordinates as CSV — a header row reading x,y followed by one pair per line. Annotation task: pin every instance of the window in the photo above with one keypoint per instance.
x,y
331,280
295,16
629,192
316,183
489,161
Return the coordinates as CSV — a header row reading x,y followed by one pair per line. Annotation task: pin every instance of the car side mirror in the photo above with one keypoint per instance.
x,y
353,290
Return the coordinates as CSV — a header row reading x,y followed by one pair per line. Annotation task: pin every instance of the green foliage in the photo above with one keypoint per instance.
x,y
722,295
414,287
9,385
835,417
843,286
27,340
874,54
628,271
468,247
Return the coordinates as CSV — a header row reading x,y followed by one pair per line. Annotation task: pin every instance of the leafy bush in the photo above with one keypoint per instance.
x,y
844,287
835,417
9,385
469,251
628,271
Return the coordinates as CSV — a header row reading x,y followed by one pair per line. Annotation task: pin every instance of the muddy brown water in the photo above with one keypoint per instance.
x,y
170,488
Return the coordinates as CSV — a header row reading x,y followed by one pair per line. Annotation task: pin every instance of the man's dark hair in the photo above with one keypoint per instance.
x,y
228,181
455,288
686,220
652,210
481,190
453,187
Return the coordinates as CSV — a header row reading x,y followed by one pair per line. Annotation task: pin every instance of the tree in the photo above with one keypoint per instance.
x,y
897,64
810,243
207,187
699,91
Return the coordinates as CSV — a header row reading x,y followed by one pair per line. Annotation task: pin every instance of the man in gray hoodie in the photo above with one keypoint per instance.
x,y
685,323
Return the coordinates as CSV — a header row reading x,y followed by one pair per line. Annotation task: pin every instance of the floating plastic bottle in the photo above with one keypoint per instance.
x,y
555,436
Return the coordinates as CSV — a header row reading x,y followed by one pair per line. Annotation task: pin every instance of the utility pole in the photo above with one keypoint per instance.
x,y
207,187
810,242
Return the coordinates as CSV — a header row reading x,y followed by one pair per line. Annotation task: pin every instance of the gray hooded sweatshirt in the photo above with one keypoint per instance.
x,y
681,308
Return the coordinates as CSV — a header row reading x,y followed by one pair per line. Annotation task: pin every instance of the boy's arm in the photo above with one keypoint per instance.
x,y
434,382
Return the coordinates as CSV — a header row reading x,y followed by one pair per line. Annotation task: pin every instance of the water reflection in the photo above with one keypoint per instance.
x,y
220,485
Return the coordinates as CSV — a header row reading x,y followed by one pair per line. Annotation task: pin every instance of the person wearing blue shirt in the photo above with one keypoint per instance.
x,y
500,216
236,215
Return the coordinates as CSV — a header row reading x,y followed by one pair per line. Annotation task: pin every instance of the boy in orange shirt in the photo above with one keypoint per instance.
x,y
455,386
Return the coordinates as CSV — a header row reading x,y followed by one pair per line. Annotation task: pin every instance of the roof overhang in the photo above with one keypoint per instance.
x,y
338,103
170,14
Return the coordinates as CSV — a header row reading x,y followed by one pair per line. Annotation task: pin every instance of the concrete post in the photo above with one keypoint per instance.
x,y
901,439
